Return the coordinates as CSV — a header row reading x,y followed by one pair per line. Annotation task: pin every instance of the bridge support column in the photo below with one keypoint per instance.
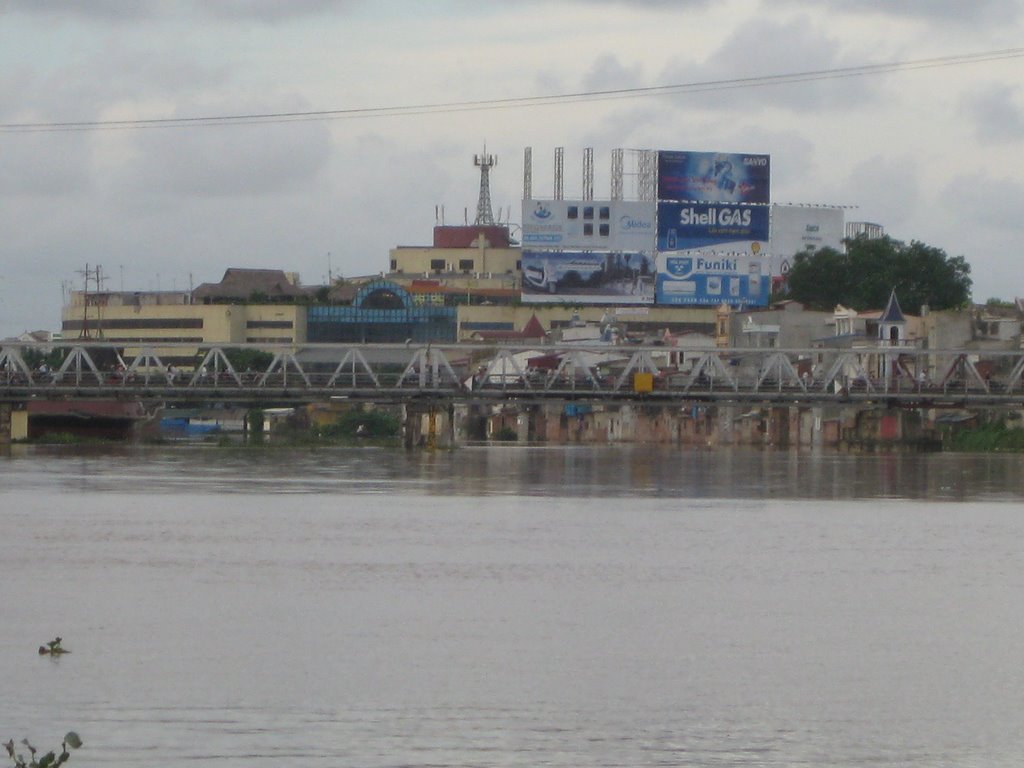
x,y
13,423
427,426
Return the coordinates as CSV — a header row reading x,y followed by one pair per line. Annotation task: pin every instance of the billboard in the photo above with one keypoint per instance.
x,y
695,225
714,177
703,277
614,225
587,277
799,229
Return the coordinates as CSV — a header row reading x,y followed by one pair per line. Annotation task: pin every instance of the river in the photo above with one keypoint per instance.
x,y
513,606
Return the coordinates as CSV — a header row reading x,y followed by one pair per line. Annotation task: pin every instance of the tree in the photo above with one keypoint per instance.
x,y
863,276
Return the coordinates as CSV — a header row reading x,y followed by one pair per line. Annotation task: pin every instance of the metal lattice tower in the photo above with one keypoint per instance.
x,y
588,173
484,162
617,158
528,173
559,164
647,180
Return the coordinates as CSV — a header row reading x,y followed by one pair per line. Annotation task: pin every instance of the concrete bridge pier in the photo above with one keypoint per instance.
x,y
428,425
13,423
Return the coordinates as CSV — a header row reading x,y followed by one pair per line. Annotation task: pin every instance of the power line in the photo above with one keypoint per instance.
x,y
519,102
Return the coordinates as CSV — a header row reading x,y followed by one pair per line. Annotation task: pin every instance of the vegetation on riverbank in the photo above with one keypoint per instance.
x,y
993,437
361,423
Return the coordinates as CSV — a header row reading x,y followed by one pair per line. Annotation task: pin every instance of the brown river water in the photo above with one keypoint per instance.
x,y
513,606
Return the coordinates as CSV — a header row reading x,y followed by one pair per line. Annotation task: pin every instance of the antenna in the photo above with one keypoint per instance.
x,y
96,276
484,162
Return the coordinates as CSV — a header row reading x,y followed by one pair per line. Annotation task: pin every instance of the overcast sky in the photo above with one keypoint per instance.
x,y
933,154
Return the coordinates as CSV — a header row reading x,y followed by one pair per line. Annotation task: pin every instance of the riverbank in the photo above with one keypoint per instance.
x,y
861,427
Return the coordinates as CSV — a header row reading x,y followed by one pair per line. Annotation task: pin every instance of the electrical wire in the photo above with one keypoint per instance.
x,y
519,102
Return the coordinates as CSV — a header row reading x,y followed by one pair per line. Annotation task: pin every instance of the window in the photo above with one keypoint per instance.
x,y
268,324
588,230
588,212
603,230
604,213
437,265
466,265
572,212
394,265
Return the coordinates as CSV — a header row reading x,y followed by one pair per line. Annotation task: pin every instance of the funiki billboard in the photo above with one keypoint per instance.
x,y
705,277
714,177
614,225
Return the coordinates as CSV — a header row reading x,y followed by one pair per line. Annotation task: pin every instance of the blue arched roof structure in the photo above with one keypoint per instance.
x,y
363,323
376,286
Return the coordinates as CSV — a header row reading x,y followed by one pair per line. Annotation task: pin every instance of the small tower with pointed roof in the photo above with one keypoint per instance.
x,y
892,325
892,332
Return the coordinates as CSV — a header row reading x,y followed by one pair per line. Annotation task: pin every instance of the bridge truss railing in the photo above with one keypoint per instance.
x,y
314,370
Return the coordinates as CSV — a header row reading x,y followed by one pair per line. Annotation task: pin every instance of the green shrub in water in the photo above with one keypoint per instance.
x,y
50,759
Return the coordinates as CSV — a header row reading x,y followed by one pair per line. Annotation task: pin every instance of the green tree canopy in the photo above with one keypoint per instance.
x,y
863,276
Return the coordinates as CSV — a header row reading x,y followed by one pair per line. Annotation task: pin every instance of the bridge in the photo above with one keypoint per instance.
x,y
283,375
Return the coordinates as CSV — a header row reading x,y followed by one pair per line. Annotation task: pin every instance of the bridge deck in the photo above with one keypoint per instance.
x,y
477,373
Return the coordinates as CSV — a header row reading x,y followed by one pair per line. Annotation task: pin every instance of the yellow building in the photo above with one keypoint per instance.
x,y
139,320
483,253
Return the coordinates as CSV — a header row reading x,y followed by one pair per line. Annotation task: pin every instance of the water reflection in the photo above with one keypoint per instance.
x,y
501,606
579,472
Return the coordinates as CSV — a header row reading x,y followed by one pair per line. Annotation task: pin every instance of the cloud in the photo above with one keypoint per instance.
x,y
766,48
97,10
607,73
149,10
272,10
221,161
983,12
986,202
995,113
40,165
889,187
655,4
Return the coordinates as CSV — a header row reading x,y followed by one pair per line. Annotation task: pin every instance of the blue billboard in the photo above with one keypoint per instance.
x,y
695,225
710,278
714,177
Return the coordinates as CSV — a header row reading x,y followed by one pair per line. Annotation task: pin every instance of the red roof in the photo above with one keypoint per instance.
x,y
496,236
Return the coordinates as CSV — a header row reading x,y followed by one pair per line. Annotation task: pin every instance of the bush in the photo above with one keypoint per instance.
x,y
506,434
50,759
362,423
988,437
